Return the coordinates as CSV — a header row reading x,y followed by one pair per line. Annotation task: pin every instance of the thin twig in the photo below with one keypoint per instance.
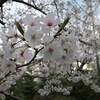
x,y
56,8
86,43
80,6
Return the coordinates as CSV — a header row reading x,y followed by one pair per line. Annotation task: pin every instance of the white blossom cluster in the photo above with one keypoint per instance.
x,y
43,47
40,39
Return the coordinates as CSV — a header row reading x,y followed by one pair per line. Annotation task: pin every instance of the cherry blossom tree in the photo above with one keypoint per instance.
x,y
58,46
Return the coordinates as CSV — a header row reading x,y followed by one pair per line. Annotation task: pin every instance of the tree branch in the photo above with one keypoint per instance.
x,y
86,43
23,2
35,7
1,22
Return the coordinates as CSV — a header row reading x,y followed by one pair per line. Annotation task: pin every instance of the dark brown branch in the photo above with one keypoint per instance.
x,y
97,63
1,22
2,2
35,7
80,68
86,43
23,2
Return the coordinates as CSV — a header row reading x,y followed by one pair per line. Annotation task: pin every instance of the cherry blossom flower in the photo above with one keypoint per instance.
x,y
13,35
46,39
42,92
5,86
33,22
8,66
8,47
33,37
49,22
11,80
23,54
51,52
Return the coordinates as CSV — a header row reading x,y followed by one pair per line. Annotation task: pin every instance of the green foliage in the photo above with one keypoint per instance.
x,y
27,89
62,25
53,96
83,92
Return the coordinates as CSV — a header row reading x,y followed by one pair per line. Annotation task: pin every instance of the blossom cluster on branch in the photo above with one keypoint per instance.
x,y
49,51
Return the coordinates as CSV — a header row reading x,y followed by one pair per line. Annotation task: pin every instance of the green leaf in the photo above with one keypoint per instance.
x,y
62,25
19,27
